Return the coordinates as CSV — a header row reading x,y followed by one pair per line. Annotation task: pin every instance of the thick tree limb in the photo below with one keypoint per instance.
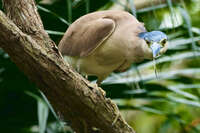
x,y
37,56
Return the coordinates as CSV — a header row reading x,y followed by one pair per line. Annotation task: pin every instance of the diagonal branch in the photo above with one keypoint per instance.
x,y
37,56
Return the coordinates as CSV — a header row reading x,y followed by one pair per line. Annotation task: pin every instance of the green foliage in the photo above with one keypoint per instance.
x,y
169,103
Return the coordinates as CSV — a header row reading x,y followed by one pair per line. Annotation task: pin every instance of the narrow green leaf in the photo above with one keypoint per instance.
x,y
187,19
55,32
43,112
163,75
132,6
69,10
141,108
196,30
174,57
119,3
52,13
175,35
61,123
148,9
169,2
36,97
176,43
185,94
186,86
184,101
76,2
49,105
87,5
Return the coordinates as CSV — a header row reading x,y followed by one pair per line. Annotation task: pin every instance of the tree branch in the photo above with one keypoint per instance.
x,y
37,56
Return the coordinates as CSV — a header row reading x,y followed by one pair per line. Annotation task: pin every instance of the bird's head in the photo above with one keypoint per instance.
x,y
156,42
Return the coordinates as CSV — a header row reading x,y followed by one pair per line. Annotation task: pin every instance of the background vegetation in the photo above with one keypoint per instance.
x,y
167,104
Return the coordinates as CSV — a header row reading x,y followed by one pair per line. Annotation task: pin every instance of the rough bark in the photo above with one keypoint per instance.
x,y
23,37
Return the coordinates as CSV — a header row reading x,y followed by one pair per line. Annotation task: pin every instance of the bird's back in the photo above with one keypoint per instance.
x,y
89,31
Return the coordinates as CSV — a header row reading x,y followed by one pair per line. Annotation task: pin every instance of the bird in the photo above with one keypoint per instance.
x,y
103,42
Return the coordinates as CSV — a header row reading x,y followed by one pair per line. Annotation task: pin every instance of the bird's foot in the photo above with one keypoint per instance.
x,y
92,85
100,90
86,76
116,117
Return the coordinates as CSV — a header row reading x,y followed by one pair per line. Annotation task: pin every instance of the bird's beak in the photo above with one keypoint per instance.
x,y
155,47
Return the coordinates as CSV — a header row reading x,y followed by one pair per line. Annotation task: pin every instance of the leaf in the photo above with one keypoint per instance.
x,y
69,11
49,105
174,57
171,19
184,101
141,108
187,19
128,78
185,94
54,14
154,7
181,42
87,5
196,30
43,112
61,123
186,86
132,6
55,32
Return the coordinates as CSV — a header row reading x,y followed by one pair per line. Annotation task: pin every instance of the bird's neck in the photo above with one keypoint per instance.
x,y
139,52
147,52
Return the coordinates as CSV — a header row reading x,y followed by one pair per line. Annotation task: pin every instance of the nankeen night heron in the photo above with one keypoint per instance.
x,y
106,41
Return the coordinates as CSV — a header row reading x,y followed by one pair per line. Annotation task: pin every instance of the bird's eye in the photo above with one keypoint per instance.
x,y
148,42
163,42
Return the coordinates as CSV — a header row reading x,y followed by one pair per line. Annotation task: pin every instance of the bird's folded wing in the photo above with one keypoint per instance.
x,y
84,36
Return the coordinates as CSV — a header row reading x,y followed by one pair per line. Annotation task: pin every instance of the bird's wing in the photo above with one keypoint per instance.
x,y
85,35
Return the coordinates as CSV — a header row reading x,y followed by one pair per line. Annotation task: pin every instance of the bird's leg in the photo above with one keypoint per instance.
x,y
93,85
99,82
101,78
86,76
99,90
90,84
